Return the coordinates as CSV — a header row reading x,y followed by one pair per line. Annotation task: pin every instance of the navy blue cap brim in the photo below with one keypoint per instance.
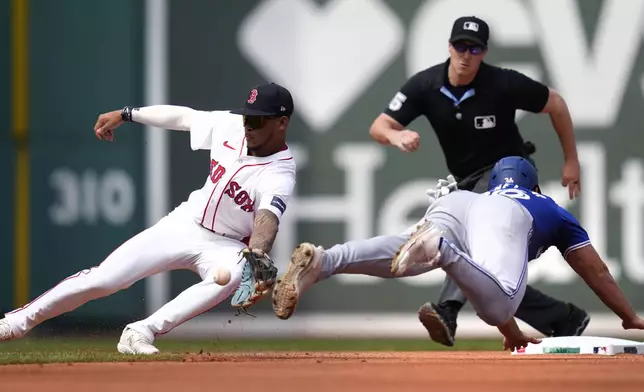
x,y
467,37
253,112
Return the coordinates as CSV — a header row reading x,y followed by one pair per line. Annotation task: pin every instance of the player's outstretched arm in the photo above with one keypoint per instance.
x,y
260,273
263,273
178,118
265,229
513,337
591,268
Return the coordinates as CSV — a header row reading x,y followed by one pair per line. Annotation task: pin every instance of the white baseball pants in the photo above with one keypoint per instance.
x,y
173,243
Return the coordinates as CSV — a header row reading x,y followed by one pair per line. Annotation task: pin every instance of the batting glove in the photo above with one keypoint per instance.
x,y
443,187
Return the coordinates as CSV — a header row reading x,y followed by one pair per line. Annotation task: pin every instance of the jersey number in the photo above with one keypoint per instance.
x,y
396,103
242,198
515,193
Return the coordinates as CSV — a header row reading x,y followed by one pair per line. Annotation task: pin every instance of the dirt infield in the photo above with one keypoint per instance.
x,y
355,372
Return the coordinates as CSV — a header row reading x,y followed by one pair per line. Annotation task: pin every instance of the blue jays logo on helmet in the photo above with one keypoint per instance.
x,y
514,170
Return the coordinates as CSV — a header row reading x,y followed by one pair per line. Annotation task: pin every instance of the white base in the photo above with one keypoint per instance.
x,y
583,345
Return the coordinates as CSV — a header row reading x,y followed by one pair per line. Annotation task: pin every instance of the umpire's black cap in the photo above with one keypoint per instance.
x,y
267,100
470,28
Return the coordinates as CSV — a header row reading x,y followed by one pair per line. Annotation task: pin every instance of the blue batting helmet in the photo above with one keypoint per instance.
x,y
514,170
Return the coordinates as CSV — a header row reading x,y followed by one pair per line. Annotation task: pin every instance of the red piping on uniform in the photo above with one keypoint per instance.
x,y
226,186
76,275
241,150
203,217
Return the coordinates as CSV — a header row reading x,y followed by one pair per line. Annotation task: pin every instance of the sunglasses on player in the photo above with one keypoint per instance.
x,y
462,47
256,122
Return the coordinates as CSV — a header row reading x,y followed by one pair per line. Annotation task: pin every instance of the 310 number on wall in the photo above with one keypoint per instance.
x,y
90,197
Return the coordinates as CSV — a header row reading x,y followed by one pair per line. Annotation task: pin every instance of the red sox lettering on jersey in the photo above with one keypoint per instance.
x,y
237,185
241,198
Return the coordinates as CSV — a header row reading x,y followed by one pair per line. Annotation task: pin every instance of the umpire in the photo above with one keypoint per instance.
x,y
471,106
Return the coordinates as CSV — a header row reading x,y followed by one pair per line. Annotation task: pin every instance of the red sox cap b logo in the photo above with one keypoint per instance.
x,y
253,96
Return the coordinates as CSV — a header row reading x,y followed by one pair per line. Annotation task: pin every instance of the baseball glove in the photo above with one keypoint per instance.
x,y
258,278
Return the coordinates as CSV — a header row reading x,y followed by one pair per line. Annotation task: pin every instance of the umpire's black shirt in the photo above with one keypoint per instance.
x,y
475,123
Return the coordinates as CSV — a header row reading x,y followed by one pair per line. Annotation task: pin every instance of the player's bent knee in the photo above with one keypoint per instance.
x,y
495,317
492,319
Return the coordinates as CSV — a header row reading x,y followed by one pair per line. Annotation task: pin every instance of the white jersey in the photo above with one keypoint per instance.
x,y
237,184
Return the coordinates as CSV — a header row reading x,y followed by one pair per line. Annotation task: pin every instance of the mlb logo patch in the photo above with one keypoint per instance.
x,y
473,26
484,122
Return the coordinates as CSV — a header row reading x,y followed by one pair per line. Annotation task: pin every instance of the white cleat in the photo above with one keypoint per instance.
x,y
135,343
302,272
5,330
421,251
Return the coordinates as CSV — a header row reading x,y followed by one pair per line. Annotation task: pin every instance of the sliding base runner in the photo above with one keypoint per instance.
x,y
583,345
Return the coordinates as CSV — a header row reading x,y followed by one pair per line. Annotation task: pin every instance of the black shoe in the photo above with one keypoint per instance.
x,y
575,323
440,322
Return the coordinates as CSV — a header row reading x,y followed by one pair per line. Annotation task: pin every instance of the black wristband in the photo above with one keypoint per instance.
x,y
126,114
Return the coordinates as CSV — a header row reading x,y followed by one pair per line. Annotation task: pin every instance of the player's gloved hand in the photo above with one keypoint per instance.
x,y
258,278
443,187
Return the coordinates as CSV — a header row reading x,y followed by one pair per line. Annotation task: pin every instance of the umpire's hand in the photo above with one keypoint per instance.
x,y
570,173
405,140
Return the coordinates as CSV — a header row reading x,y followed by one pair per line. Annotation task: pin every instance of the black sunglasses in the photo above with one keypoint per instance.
x,y
256,122
475,49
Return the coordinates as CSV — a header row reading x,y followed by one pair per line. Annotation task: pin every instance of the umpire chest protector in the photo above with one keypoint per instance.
x,y
475,124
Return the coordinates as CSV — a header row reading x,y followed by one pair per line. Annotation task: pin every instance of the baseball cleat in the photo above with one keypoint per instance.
x,y
133,342
5,330
439,325
302,272
422,249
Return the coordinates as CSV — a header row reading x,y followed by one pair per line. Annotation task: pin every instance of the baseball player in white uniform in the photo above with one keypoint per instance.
x,y
236,212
